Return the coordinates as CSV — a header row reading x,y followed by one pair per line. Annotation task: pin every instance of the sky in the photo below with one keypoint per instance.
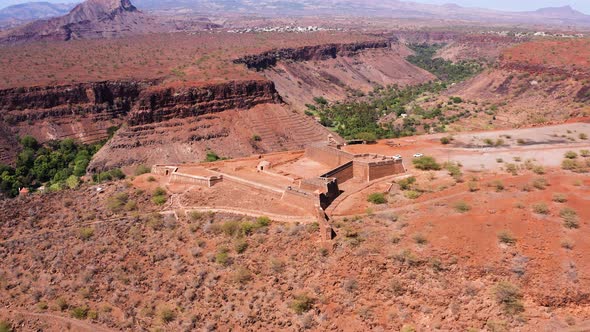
x,y
511,5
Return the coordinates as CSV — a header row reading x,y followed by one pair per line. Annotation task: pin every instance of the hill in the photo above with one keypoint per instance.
x,y
89,20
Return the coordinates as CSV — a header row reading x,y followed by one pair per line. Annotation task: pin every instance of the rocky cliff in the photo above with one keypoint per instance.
x,y
82,111
162,104
319,52
160,122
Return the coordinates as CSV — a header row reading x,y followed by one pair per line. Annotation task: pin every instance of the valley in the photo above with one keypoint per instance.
x,y
231,165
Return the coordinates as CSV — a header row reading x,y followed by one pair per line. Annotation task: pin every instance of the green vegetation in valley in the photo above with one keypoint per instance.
x,y
445,70
364,117
56,164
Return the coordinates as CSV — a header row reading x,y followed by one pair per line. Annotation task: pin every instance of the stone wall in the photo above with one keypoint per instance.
x,y
383,169
361,171
205,181
328,155
341,173
164,170
302,198
369,171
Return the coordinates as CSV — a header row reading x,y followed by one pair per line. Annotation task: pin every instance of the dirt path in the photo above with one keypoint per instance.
x,y
252,213
243,212
75,324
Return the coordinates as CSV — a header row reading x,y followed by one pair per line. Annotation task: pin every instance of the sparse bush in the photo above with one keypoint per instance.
x,y
116,202
142,169
567,244
498,185
159,196
212,156
521,141
446,140
155,221
420,239
167,315
413,194
509,296
241,246
570,217
62,304
408,328
406,183
559,198
86,233
407,257
426,163
585,153
540,183
499,160
80,312
473,186
541,208
263,221
377,198
302,303
538,169
256,138
462,207
159,200
350,285
506,237
512,169
195,216
577,166
131,206
151,179
222,257
92,314
242,275
583,136
571,155
5,326
454,170
277,265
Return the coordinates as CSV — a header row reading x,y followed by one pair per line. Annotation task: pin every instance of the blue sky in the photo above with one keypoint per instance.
x,y
513,5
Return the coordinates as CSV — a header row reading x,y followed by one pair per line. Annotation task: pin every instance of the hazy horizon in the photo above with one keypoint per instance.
x,y
506,5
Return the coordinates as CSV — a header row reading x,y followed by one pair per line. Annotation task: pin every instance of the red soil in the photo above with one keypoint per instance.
x,y
179,57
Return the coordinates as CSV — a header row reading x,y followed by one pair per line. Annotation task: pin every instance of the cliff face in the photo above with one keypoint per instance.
x,y
539,69
34,103
320,52
162,104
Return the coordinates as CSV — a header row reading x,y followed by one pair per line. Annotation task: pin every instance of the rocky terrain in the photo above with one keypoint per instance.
x,y
77,259
533,83
158,113
487,232
91,19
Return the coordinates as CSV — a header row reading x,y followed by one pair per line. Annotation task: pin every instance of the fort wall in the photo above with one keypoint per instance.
x,y
164,170
341,173
328,155
205,181
302,198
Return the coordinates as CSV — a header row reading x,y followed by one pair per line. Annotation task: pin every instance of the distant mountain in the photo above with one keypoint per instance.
x,y
35,10
379,8
26,12
565,12
90,19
